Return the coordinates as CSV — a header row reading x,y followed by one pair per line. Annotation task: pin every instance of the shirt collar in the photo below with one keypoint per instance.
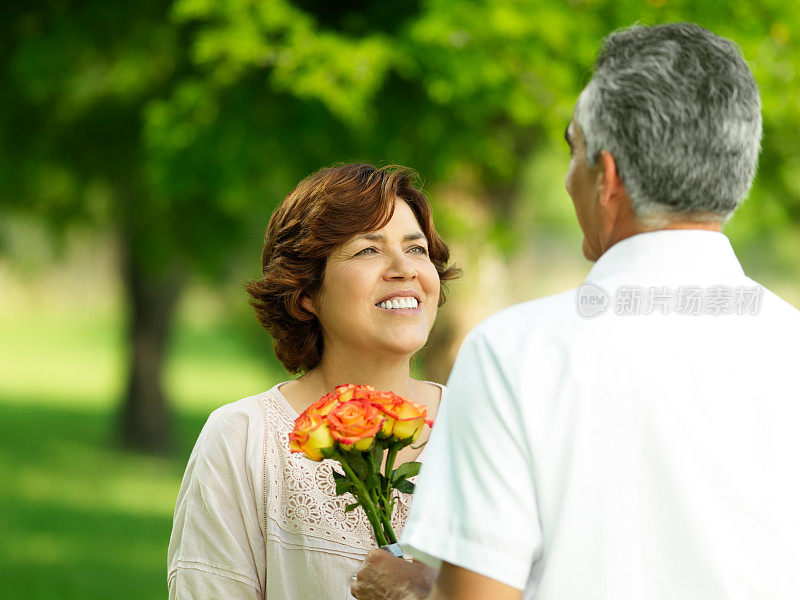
x,y
673,249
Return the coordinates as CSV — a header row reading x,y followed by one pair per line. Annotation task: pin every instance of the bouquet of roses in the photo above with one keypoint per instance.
x,y
356,425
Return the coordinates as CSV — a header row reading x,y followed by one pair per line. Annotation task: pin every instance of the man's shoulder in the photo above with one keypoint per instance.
x,y
777,304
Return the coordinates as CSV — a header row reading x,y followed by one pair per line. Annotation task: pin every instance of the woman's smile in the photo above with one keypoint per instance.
x,y
401,302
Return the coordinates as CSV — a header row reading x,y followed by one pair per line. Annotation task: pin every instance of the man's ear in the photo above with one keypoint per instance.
x,y
610,185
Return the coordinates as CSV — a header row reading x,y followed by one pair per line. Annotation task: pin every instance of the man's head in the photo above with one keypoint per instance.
x,y
678,113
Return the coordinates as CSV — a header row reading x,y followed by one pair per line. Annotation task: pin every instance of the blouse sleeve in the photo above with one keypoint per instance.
x,y
217,547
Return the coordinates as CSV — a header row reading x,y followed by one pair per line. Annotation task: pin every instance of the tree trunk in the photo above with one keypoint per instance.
x,y
485,286
152,293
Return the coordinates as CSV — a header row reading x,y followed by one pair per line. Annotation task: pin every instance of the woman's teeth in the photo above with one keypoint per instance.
x,y
399,303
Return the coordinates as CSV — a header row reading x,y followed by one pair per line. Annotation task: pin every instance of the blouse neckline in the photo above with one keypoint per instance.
x,y
291,412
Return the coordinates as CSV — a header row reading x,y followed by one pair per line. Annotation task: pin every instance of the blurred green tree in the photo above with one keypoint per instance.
x,y
76,78
181,124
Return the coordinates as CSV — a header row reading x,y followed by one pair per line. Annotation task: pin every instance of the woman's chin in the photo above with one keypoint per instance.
x,y
404,347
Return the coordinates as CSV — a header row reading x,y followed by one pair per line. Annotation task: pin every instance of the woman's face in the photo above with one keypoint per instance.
x,y
380,291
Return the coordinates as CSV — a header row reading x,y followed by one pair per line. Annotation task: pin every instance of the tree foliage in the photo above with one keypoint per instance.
x,y
181,124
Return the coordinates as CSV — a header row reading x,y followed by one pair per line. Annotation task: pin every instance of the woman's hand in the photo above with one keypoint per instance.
x,y
386,577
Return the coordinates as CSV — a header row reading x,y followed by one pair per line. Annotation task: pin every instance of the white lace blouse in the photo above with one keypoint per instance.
x,y
254,521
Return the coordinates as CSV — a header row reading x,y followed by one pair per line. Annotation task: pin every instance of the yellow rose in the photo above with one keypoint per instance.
x,y
409,420
351,391
388,403
311,434
324,405
344,392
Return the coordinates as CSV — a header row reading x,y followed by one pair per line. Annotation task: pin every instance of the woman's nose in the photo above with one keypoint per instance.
x,y
400,267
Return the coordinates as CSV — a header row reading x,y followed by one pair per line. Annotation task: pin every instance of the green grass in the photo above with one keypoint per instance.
x,y
83,518
80,517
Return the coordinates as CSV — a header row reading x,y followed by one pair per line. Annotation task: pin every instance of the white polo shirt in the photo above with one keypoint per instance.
x,y
647,450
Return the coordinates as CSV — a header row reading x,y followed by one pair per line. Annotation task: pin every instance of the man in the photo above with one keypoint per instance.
x,y
635,439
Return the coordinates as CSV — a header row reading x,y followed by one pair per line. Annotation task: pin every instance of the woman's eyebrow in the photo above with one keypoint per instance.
x,y
379,237
370,236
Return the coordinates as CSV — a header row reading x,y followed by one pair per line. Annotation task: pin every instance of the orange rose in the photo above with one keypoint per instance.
x,y
354,424
311,434
363,392
344,392
352,391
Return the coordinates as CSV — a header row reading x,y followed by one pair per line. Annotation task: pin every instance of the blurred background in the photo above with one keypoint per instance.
x,y
143,146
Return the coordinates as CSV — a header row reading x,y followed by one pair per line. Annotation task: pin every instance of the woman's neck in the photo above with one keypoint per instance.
x,y
340,368
383,374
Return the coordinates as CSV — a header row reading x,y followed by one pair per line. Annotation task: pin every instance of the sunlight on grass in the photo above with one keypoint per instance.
x,y
46,356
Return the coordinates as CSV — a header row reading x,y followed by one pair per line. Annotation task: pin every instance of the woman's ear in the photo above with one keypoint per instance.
x,y
308,304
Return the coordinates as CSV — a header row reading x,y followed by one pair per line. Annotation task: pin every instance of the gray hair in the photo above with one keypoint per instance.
x,y
679,110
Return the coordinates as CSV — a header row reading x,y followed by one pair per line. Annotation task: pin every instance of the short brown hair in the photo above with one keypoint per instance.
x,y
325,210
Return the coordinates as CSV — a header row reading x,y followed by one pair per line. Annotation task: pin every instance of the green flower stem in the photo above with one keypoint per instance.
x,y
388,501
387,527
387,487
364,498
393,450
375,490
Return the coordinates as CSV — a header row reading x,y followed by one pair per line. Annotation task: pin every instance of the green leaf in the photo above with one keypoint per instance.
x,y
403,443
406,470
377,457
405,486
343,486
337,475
358,464
350,507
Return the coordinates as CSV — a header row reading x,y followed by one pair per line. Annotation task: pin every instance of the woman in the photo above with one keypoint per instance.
x,y
352,272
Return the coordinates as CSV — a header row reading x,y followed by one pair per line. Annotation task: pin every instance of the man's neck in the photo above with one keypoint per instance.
x,y
635,227
711,226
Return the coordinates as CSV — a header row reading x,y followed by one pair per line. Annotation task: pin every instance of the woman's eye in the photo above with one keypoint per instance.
x,y
419,249
369,250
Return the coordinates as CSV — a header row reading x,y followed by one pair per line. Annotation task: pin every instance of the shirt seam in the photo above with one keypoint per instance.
x,y
344,551
195,565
